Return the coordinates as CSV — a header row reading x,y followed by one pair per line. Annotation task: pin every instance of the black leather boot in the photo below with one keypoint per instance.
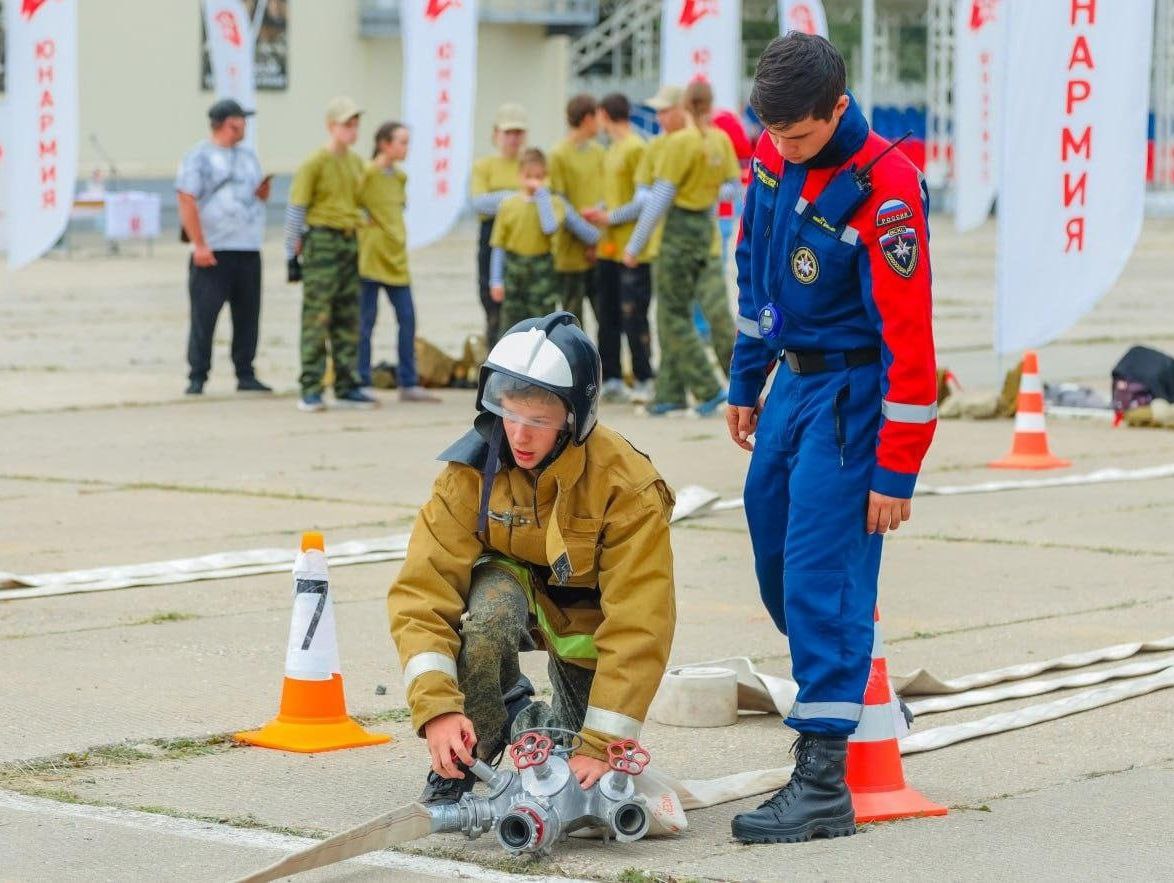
x,y
439,790
816,802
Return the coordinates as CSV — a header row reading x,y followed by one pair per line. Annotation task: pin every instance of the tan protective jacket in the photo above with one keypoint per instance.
x,y
598,518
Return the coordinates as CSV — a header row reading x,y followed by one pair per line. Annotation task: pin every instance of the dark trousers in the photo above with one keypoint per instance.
x,y
610,317
635,299
405,318
492,308
235,278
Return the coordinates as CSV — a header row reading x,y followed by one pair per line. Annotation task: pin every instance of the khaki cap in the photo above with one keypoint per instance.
x,y
666,97
341,109
510,116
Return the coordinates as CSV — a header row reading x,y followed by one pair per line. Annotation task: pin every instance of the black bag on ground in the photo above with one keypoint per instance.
x,y
1143,374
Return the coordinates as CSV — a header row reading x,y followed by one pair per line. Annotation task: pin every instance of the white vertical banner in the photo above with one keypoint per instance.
x,y
231,45
3,177
702,40
980,30
440,88
804,16
41,151
1071,172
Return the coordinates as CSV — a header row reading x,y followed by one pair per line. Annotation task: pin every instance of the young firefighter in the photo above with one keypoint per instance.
x,y
320,223
624,294
383,259
834,288
576,174
522,275
544,531
495,179
695,165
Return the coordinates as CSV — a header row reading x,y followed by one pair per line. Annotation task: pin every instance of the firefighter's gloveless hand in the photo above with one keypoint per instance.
x,y
450,738
886,513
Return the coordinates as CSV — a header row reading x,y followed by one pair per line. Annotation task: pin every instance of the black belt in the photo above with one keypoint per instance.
x,y
347,233
816,361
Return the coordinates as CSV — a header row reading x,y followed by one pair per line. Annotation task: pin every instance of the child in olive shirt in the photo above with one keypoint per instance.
x,y
522,277
383,259
320,224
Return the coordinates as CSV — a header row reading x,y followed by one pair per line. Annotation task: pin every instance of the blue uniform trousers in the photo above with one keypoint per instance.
x,y
806,501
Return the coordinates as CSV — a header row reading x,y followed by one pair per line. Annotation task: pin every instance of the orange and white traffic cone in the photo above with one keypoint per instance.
x,y
1029,450
875,777
313,715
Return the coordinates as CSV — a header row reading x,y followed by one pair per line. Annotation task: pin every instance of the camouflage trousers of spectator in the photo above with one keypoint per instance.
x,y
531,288
679,272
330,309
715,307
578,288
496,626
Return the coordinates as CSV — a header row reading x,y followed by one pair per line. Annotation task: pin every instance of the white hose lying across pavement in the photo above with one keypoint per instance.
x,y
691,500
940,737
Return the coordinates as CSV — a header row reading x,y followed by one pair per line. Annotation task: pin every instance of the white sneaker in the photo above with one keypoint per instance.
x,y
614,390
643,392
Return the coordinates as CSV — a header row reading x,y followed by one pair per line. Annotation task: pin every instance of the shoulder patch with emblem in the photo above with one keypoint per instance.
x,y
892,211
899,245
804,265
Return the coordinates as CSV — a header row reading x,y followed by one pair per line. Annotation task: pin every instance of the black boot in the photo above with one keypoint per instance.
x,y
815,802
439,790
515,698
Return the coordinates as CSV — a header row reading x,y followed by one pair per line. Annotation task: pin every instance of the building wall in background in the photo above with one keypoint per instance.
x,y
141,93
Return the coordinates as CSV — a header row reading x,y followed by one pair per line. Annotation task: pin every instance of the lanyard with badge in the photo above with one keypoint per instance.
x,y
844,193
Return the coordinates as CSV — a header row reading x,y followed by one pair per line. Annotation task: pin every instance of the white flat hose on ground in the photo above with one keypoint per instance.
x,y
1100,476
691,501
940,737
1021,689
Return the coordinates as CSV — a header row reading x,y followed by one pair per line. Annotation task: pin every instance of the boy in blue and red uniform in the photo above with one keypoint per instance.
x,y
834,289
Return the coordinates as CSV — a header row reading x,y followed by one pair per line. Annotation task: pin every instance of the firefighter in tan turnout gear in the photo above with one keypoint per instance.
x,y
565,549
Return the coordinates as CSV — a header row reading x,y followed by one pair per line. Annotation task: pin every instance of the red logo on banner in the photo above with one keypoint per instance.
x,y
692,11
436,8
982,12
29,7
802,19
229,29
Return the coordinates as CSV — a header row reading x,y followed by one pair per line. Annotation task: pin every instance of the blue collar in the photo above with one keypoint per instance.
x,y
848,138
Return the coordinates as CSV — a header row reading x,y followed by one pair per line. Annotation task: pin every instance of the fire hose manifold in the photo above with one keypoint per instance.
x,y
529,810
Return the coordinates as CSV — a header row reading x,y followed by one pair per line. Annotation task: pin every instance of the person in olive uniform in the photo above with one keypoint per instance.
x,y
696,165
495,179
624,293
383,259
522,269
320,224
576,174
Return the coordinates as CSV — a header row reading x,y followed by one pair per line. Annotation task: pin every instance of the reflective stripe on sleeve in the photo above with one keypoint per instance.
x,y
900,413
422,663
849,711
749,327
850,235
611,722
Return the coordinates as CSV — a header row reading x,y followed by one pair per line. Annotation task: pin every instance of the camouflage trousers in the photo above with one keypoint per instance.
x,y
578,288
679,272
495,627
330,310
715,307
531,288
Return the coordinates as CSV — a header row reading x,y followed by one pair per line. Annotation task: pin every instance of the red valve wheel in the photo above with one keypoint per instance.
x,y
531,749
627,756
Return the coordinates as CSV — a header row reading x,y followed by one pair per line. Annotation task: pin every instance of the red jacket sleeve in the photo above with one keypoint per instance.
x,y
896,279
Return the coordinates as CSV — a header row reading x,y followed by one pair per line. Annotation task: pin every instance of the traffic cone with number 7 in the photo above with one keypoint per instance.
x,y
313,715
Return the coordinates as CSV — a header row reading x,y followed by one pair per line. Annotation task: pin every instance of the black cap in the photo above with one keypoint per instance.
x,y
225,108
